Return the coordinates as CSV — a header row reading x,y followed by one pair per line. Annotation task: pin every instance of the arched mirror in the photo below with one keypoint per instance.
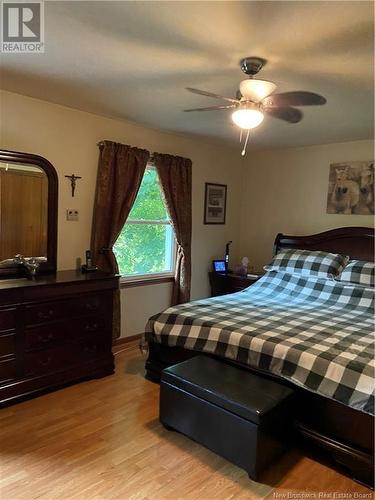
x,y
28,213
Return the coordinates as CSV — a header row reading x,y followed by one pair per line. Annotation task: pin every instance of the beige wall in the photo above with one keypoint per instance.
x,y
285,190
67,138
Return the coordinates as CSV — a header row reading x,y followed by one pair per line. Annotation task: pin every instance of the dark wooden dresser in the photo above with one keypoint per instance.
x,y
223,283
54,330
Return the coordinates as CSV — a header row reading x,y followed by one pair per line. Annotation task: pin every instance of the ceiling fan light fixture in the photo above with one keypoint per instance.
x,y
256,90
246,118
256,98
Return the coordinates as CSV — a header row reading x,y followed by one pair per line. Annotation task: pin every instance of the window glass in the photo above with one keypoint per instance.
x,y
146,244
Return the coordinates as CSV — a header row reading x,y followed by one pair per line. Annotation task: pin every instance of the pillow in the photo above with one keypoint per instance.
x,y
359,272
308,263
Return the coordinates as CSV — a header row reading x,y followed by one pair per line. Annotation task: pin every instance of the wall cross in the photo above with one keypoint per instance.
x,y
73,181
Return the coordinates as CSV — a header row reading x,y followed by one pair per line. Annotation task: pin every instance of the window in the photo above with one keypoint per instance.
x,y
146,245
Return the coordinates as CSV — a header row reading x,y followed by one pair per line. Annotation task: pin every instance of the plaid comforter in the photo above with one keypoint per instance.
x,y
316,333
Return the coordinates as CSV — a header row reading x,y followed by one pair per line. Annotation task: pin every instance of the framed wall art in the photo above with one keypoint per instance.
x,y
215,202
351,188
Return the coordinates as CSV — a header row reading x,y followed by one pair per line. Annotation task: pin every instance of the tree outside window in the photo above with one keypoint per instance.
x,y
146,245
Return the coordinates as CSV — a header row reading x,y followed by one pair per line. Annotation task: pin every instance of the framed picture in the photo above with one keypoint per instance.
x,y
215,202
351,188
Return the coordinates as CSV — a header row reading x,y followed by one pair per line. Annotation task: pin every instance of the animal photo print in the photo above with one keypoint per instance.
x,y
351,188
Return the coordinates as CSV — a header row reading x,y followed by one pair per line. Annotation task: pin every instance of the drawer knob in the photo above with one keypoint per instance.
x,y
45,338
89,349
91,305
45,314
91,327
46,361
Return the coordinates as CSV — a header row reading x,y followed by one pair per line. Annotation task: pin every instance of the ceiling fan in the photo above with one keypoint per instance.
x,y
255,98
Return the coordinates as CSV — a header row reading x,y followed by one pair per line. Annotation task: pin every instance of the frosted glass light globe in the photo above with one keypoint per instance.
x,y
247,118
256,90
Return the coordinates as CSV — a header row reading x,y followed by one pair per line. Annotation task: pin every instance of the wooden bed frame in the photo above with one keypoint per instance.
x,y
347,434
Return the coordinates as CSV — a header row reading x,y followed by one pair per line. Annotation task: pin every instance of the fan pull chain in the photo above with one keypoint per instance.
x,y
240,134
245,145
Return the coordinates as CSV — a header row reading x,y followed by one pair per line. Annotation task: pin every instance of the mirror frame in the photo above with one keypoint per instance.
x,y
53,186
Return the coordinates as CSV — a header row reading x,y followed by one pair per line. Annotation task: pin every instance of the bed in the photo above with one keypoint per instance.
x,y
312,334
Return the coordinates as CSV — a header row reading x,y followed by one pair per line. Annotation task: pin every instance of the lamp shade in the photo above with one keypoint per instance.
x,y
247,118
256,90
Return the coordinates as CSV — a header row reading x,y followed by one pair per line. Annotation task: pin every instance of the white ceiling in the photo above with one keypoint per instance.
x,y
132,60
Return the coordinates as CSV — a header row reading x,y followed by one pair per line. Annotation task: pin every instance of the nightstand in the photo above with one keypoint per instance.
x,y
223,283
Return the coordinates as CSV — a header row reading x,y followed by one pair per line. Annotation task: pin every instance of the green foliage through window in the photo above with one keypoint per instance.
x,y
146,243
149,204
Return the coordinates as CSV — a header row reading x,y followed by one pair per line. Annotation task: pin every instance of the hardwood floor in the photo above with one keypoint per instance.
x,y
102,440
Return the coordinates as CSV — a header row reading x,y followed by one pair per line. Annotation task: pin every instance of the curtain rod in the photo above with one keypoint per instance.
x,y
100,145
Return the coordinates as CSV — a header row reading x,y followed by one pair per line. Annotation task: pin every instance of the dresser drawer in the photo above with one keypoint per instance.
x,y
54,359
48,361
49,311
7,344
7,370
45,336
7,319
92,325
93,348
97,303
65,331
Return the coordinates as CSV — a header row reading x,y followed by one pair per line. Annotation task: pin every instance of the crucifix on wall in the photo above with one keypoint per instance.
x,y
73,181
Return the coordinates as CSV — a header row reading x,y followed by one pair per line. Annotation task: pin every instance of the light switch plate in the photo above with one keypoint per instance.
x,y
72,214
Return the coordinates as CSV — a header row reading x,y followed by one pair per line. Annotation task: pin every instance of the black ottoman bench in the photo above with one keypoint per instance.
x,y
241,416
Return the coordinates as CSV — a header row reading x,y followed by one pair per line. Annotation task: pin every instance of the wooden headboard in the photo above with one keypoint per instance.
x,y
357,242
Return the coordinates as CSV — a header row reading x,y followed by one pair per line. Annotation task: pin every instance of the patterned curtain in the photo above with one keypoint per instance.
x,y
120,173
175,178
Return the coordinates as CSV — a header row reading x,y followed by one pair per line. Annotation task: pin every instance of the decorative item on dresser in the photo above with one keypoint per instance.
x,y
54,330
222,283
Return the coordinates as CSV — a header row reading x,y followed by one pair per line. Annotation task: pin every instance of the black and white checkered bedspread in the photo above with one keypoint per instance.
x,y
316,333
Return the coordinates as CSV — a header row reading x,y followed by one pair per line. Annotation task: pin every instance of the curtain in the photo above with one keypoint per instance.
x,y
175,178
120,173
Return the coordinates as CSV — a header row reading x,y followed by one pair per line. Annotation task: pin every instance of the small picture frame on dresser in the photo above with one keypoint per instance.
x,y
215,201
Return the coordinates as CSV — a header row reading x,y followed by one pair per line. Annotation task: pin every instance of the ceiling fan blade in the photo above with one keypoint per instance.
x,y
211,108
290,115
210,94
297,98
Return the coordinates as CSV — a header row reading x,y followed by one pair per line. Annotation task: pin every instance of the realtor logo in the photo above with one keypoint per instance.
x,y
22,27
